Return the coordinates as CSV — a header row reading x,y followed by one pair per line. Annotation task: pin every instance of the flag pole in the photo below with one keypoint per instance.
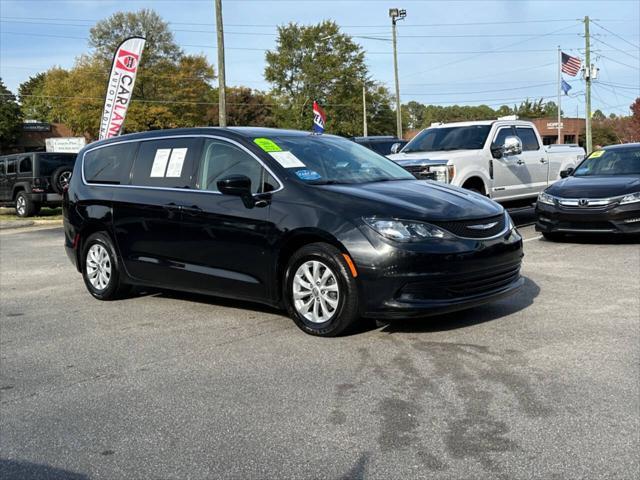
x,y
559,94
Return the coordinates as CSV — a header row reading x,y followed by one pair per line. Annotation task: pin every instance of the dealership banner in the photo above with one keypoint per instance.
x,y
120,86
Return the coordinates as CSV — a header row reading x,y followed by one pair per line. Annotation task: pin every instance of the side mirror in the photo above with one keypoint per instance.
x,y
237,185
566,173
396,147
512,146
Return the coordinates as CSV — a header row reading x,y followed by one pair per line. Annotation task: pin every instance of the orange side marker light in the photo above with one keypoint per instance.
x,y
351,265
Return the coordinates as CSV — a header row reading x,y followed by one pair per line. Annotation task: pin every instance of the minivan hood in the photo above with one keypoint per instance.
x,y
417,199
597,186
431,157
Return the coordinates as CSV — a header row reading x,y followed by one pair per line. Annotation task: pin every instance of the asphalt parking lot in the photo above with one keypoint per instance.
x,y
544,384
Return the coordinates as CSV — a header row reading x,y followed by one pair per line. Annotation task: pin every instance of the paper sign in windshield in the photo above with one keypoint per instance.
x,y
287,159
267,145
176,161
160,162
597,153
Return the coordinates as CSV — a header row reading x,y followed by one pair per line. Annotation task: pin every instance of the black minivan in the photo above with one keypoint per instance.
x,y
316,224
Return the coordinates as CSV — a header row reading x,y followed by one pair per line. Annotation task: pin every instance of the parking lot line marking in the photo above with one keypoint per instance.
x,y
532,238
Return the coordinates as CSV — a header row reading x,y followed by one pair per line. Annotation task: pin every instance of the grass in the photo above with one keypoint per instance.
x,y
7,214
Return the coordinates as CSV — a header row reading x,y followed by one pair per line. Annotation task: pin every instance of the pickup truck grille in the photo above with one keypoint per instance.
x,y
465,228
421,172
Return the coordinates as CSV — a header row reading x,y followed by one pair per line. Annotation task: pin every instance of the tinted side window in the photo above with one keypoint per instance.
x,y
503,133
11,165
528,137
25,165
2,168
110,164
221,159
166,163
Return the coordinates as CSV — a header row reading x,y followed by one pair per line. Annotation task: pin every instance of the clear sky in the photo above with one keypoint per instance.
x,y
466,52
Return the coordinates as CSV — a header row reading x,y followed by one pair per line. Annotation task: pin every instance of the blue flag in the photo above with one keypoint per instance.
x,y
565,87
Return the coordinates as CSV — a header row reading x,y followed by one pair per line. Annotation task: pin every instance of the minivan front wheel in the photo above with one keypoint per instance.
x,y
100,268
321,294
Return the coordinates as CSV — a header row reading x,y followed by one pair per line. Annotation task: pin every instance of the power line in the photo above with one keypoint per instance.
x,y
620,63
615,48
615,34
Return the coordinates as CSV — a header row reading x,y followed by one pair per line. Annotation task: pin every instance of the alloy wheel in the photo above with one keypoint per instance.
x,y
316,292
21,205
98,267
64,179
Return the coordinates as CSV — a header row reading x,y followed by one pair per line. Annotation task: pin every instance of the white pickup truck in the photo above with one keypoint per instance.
x,y
503,159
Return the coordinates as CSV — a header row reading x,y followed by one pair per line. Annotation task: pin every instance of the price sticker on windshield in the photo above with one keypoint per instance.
x,y
267,145
597,153
287,159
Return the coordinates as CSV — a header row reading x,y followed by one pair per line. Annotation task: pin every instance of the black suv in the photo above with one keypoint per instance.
x,y
29,181
381,144
316,224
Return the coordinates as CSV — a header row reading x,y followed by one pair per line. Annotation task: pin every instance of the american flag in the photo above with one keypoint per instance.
x,y
570,65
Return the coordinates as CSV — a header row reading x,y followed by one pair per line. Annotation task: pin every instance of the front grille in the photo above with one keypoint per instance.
x,y
587,225
421,172
462,228
460,286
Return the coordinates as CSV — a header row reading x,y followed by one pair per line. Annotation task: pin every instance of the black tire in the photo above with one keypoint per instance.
x,y
346,313
552,236
61,178
24,205
114,288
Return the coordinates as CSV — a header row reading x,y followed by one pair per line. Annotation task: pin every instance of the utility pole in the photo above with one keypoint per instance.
x,y
559,95
587,78
396,14
364,110
222,93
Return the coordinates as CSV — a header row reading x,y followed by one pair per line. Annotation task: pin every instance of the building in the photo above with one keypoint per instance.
x,y
571,129
34,135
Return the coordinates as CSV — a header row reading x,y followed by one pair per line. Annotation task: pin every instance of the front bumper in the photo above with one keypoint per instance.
x,y
613,218
414,282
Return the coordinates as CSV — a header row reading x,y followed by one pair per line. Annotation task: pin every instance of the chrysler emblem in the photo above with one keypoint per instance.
x,y
484,226
583,202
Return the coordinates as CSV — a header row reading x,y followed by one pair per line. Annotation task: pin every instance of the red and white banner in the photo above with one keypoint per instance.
x,y
120,86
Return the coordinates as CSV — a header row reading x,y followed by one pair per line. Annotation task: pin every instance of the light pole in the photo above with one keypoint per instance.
x,y
397,14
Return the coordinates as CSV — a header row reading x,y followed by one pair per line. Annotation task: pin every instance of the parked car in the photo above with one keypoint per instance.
x,y
382,144
502,159
29,181
602,195
315,224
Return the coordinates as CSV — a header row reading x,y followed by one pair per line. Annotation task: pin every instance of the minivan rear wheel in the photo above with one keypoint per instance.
x,y
101,268
321,295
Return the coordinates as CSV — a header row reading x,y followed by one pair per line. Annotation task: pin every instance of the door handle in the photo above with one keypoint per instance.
x,y
520,162
172,206
543,160
192,209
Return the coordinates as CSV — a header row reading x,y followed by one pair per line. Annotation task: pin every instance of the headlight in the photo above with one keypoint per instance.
x,y
631,198
443,173
546,198
510,223
404,230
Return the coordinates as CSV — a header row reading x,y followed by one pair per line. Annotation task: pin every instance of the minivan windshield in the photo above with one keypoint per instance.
x,y
618,161
472,137
322,160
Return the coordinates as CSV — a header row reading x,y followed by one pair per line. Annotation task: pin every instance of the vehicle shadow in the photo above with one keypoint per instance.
x,y
601,239
466,318
20,470
207,299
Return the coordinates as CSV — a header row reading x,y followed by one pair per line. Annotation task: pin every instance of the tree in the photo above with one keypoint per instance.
x,y
635,121
172,89
10,117
245,107
33,105
318,62
598,115
106,36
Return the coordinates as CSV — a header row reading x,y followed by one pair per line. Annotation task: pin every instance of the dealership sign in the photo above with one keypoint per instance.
x,y
120,86
65,144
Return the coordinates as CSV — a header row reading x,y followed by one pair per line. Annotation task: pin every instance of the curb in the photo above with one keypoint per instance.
x,y
15,224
